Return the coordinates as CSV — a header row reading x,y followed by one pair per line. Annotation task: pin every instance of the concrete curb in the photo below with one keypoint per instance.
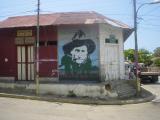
x,y
146,96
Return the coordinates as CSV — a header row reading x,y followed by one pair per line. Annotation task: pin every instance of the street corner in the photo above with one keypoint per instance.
x,y
145,96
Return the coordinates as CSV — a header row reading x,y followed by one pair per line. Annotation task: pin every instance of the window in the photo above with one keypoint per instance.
x,y
51,43
47,43
41,43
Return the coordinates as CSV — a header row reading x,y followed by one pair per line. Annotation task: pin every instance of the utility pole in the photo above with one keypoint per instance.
x,y
136,10
136,47
37,50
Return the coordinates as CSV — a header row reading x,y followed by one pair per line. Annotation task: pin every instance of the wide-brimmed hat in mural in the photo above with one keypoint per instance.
x,y
79,40
67,48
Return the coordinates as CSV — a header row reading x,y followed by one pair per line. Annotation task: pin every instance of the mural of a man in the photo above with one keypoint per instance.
x,y
76,57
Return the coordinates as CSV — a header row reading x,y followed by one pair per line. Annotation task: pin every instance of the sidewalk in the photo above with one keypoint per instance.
x,y
145,96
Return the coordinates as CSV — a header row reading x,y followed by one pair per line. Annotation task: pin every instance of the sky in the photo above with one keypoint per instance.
x,y
122,10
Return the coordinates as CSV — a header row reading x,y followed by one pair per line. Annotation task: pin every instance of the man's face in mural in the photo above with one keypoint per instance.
x,y
79,54
76,59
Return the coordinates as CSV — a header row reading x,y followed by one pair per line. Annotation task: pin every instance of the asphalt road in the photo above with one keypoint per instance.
x,y
155,89
19,109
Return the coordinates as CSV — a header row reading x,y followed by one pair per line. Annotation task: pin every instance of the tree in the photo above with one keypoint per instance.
x,y
144,56
157,52
156,61
129,54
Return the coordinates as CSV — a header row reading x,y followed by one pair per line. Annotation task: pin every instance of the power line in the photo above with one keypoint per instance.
x,y
19,4
148,26
150,21
152,10
151,15
151,29
43,11
152,25
30,11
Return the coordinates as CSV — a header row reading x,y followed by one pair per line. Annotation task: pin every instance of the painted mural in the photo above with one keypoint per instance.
x,y
78,59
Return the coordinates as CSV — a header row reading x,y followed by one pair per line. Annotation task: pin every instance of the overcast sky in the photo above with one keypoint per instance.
x,y
149,15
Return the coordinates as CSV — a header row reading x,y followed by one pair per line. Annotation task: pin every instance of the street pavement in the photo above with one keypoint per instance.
x,y
155,89
25,109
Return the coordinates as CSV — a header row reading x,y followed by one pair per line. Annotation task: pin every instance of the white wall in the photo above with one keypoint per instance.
x,y
98,33
104,32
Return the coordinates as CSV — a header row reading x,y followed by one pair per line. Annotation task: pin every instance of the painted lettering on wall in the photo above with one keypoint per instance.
x,y
24,33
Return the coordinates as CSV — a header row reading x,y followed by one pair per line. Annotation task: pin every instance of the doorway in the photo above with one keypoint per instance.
x,y
112,61
25,62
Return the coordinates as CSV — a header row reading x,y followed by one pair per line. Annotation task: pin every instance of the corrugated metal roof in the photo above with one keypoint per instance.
x,y
64,18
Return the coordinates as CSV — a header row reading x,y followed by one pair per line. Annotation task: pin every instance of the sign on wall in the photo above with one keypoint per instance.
x,y
24,33
112,39
24,37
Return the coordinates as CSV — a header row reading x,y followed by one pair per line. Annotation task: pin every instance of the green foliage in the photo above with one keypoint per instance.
x,y
144,56
157,52
156,61
129,54
156,57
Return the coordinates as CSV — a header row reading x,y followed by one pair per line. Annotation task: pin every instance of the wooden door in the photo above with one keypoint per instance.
x,y
25,62
112,62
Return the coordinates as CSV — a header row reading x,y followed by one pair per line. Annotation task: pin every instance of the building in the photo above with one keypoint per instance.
x,y
74,46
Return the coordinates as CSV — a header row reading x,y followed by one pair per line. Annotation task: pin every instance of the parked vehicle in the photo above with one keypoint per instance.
x,y
146,74
150,74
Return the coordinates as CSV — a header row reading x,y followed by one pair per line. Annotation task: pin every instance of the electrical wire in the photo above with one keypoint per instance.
x,y
155,25
19,4
147,13
153,16
150,29
116,14
30,11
